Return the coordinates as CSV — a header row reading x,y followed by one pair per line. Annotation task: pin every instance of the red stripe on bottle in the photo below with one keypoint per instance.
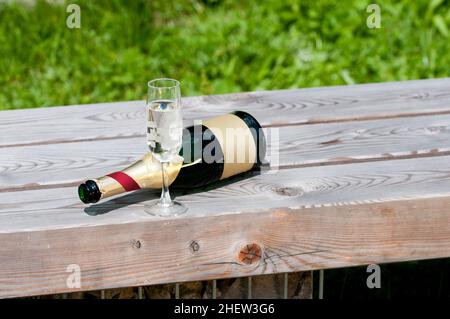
x,y
126,181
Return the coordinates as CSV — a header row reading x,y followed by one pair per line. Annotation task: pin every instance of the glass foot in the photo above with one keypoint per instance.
x,y
156,208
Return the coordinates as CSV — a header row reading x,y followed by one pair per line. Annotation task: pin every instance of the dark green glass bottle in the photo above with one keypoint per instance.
x,y
219,148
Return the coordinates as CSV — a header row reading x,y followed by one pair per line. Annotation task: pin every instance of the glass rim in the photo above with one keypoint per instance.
x,y
151,83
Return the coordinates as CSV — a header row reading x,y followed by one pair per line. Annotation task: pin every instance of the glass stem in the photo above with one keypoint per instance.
x,y
165,195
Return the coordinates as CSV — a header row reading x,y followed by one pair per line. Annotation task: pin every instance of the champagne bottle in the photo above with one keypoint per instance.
x,y
221,147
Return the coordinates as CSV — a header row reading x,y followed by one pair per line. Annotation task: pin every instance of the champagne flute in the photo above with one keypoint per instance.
x,y
164,138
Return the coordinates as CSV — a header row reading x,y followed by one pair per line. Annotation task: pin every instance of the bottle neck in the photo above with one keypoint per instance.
x,y
145,173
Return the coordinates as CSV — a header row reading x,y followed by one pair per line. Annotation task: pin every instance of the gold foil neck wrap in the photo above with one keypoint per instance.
x,y
108,186
146,172
237,143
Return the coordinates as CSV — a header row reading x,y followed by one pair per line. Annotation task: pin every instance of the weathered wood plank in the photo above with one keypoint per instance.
x,y
55,164
296,219
314,105
338,185
292,239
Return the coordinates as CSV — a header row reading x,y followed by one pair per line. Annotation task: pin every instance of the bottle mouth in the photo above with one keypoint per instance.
x,y
89,192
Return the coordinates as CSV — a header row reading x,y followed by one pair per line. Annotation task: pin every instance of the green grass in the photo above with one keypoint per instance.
x,y
212,47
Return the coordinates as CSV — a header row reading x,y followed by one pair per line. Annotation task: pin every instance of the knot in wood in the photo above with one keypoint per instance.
x,y
250,254
288,191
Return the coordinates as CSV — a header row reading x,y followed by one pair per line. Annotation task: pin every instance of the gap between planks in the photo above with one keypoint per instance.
x,y
273,125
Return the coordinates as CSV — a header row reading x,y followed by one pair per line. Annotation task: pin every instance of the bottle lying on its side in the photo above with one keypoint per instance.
x,y
221,147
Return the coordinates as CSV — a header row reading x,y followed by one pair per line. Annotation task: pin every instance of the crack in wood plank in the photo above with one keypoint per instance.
x,y
51,142
357,119
264,259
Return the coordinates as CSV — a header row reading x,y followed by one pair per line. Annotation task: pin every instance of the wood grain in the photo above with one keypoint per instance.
x,y
272,108
310,214
335,185
53,165
294,239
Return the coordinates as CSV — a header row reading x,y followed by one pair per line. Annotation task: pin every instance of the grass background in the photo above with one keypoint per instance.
x,y
212,47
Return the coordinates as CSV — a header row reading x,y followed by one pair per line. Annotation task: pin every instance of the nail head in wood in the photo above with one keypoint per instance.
x,y
194,246
136,243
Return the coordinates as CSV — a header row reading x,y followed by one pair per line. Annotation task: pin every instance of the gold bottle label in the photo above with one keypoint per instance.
x,y
236,139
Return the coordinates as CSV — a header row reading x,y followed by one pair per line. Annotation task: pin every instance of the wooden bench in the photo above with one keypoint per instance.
x,y
363,177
